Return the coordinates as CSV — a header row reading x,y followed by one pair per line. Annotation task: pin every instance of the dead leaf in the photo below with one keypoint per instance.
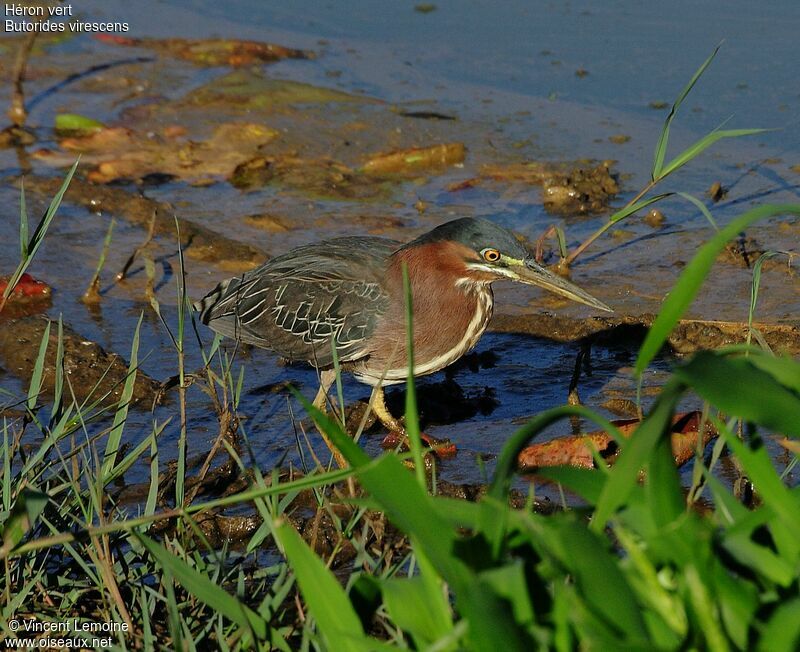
x,y
122,153
212,52
27,289
247,91
415,160
577,450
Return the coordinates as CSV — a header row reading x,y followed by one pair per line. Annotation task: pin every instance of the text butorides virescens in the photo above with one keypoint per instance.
x,y
348,293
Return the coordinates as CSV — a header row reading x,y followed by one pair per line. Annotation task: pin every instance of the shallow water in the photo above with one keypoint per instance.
x,y
508,73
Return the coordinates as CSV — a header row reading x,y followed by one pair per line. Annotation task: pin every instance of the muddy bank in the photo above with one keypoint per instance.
x,y
199,242
89,370
689,335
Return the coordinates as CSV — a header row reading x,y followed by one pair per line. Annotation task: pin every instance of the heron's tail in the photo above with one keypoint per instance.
x,y
215,304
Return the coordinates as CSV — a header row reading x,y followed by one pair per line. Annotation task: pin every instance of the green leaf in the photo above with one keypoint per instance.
x,y
782,633
758,465
692,277
596,574
27,509
404,599
327,601
510,583
121,415
635,454
23,222
635,208
702,207
738,601
411,509
72,122
38,234
705,610
587,483
35,387
412,416
661,146
341,440
202,588
762,399
783,369
703,144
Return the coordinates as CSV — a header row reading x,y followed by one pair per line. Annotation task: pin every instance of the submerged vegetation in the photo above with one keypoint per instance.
x,y
373,556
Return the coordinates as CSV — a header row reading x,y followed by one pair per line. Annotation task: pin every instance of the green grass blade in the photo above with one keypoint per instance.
x,y
692,277
327,602
636,207
403,596
30,504
587,483
661,146
38,234
762,399
754,287
782,633
598,576
35,386
412,416
121,415
702,208
635,454
703,144
23,222
202,588
58,385
347,447
773,492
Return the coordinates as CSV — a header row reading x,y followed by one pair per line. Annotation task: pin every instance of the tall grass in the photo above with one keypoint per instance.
x,y
661,170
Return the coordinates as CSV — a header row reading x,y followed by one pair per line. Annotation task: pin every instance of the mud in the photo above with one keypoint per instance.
x,y
567,189
89,370
199,242
212,52
689,335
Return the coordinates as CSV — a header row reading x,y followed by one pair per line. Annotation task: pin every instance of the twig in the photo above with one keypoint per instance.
x,y
566,262
151,227
16,111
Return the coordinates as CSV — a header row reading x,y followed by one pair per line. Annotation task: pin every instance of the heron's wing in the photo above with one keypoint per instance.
x,y
298,303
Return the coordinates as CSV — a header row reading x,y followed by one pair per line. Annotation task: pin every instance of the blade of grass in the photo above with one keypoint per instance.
x,y
703,144
121,415
202,588
701,207
327,602
635,454
692,277
412,416
661,146
38,235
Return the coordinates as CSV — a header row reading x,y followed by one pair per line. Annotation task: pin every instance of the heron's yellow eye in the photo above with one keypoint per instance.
x,y
491,255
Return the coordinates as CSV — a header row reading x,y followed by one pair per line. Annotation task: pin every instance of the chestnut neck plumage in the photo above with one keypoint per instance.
x,y
451,308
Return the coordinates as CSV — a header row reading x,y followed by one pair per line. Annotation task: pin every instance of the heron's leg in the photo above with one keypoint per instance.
x,y
397,432
382,412
327,377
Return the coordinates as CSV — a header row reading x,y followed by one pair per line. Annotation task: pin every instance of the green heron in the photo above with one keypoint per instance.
x,y
348,293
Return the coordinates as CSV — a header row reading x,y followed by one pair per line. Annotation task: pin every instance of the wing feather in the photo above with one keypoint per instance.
x,y
298,303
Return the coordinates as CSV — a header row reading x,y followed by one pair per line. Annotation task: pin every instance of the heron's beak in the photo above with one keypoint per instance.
x,y
532,273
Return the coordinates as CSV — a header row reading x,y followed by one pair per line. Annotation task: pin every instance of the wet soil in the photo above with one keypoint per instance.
x,y
89,370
